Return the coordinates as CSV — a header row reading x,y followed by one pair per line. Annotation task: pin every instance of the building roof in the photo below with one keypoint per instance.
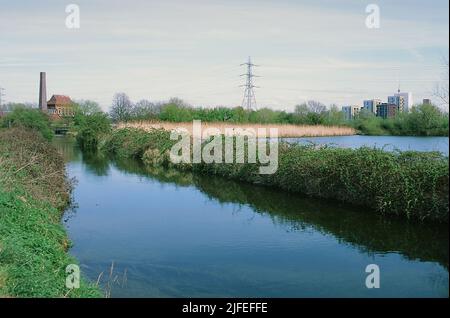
x,y
60,99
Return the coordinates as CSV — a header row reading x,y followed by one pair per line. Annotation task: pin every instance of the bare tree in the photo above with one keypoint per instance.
x,y
441,90
121,108
145,108
316,107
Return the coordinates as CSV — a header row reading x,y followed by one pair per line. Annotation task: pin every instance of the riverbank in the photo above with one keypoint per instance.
x,y
411,185
184,230
34,191
284,130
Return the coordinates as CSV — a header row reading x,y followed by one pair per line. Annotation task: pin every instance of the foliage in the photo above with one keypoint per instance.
x,y
145,109
33,242
175,113
91,128
29,118
423,120
132,143
86,107
407,184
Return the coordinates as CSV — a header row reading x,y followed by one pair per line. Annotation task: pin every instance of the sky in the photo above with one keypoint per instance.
x,y
311,49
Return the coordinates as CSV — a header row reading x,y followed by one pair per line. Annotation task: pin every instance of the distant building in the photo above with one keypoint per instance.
x,y
387,110
426,101
60,106
371,105
407,100
350,111
398,100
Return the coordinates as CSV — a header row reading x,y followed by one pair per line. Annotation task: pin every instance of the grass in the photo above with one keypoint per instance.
x,y
284,130
412,185
33,243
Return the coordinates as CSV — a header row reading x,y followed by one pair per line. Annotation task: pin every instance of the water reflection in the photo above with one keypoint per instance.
x,y
352,227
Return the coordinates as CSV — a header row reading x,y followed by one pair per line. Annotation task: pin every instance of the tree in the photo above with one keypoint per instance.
x,y
121,108
426,119
144,109
334,116
90,128
301,110
29,118
11,106
87,107
316,107
442,89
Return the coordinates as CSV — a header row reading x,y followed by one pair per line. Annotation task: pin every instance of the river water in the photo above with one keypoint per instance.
x,y
172,234
389,143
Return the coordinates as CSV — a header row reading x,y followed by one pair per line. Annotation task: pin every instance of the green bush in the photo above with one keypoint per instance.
x,y
423,120
33,243
406,184
29,118
90,129
132,143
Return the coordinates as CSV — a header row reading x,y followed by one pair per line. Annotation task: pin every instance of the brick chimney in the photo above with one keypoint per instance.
x,y
43,93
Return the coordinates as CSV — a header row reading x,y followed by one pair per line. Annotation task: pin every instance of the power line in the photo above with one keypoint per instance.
x,y
249,101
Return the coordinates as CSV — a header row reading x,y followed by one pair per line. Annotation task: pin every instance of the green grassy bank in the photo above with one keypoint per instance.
x,y
33,243
412,185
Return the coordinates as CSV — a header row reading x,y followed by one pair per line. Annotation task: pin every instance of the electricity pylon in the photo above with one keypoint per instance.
x,y
249,101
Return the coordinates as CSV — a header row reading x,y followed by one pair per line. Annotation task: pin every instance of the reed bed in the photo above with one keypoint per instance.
x,y
284,130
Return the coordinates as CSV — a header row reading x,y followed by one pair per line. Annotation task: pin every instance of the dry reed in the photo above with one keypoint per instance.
x,y
284,130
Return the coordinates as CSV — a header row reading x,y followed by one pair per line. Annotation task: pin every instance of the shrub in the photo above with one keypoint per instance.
x,y
407,184
33,242
91,128
29,118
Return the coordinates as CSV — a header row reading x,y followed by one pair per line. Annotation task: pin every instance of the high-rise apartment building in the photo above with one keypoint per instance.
x,y
350,111
371,105
387,110
398,100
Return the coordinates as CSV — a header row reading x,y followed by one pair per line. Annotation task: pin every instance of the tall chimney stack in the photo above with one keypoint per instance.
x,y
43,93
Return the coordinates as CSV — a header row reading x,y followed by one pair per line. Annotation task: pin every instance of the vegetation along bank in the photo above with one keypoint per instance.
x,y
413,185
34,191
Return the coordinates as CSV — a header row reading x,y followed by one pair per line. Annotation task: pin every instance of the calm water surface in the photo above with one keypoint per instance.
x,y
386,142
172,234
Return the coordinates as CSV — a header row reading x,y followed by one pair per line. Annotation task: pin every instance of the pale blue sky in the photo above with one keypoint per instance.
x,y
192,49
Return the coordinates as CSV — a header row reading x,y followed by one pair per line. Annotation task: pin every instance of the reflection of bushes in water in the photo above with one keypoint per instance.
x,y
368,232
96,162
171,176
410,184
364,176
66,147
134,166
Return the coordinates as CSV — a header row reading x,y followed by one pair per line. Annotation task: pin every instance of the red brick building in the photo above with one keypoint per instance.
x,y
60,106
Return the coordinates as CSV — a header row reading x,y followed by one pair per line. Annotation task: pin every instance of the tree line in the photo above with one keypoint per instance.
x,y
176,110
422,120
